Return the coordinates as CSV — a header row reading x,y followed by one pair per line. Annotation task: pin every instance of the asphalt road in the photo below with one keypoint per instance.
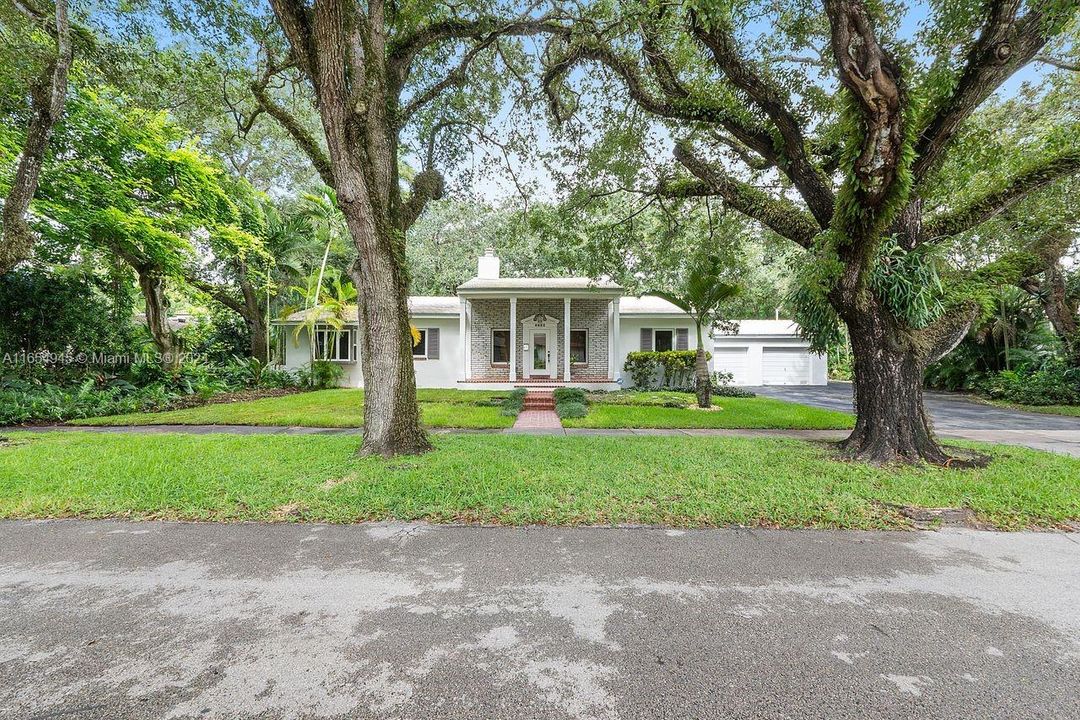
x,y
159,620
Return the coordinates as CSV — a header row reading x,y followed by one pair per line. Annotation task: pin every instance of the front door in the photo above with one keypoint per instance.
x,y
540,354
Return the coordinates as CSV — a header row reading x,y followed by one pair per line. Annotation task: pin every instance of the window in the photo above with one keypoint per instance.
x,y
500,347
579,341
336,345
419,350
664,340
428,347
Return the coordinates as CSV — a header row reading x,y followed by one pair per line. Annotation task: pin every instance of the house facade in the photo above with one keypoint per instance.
x,y
499,332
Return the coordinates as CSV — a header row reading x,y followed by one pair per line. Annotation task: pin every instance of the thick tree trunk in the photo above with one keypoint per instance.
x,y
891,423
253,317
391,415
701,374
152,286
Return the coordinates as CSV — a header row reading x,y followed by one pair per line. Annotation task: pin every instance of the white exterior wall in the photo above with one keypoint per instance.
x,y
430,373
446,371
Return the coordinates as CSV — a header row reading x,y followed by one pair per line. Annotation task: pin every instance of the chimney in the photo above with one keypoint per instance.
x,y
487,267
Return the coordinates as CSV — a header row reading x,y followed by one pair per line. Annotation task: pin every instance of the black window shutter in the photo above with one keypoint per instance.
x,y
433,343
682,339
646,339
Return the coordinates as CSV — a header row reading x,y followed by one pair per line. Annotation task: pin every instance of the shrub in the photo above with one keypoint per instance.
x,y
1054,385
513,403
571,409
722,387
570,395
320,375
671,369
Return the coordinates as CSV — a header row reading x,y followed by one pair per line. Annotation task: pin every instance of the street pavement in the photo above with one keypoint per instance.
x,y
110,619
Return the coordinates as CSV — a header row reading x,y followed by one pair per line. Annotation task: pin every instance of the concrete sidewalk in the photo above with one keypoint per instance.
x,y
1060,441
105,619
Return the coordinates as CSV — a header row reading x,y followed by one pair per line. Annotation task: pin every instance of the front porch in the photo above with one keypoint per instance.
x,y
540,338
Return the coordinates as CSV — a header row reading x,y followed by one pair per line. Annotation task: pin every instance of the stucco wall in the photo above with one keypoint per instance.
x,y
441,372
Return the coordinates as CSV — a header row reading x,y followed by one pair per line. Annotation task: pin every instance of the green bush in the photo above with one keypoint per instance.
x,y
722,387
570,395
1054,385
571,409
670,369
320,375
513,403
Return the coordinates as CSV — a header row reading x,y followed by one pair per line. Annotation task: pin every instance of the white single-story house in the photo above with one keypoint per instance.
x,y
500,332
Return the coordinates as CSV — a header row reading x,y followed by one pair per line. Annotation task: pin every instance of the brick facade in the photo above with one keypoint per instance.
x,y
586,314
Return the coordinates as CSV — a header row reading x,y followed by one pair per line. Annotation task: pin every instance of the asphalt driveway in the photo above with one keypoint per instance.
x,y
106,619
955,416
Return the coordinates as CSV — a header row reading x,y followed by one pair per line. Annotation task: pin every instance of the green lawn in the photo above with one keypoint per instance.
x,y
675,481
1070,410
757,412
480,409
326,408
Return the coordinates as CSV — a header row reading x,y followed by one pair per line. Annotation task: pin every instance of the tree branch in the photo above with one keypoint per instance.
x,y
300,135
778,214
997,201
428,185
795,161
675,107
1058,63
873,80
1004,45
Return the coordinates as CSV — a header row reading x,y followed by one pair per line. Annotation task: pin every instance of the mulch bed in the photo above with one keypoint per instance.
x,y
191,401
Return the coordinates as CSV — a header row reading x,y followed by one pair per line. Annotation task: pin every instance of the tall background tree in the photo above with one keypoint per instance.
x,y
22,26
828,126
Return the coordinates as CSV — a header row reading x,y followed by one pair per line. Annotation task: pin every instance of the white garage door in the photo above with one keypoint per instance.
x,y
731,360
785,366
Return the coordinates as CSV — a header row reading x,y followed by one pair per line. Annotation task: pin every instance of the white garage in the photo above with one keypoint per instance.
x,y
768,352
785,366
731,360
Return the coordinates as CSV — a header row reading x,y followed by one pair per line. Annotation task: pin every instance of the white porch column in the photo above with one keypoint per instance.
x,y
566,338
463,372
468,339
513,339
615,339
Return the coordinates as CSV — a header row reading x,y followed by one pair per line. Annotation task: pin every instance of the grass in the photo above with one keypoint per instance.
x,y
1069,410
505,479
757,413
327,408
481,409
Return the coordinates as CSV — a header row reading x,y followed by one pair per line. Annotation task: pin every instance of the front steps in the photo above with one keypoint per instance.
x,y
539,400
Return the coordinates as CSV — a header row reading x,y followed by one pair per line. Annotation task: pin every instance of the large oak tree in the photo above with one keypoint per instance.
x,y
377,70
822,123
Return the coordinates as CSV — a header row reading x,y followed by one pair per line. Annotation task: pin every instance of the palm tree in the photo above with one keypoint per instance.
x,y
701,296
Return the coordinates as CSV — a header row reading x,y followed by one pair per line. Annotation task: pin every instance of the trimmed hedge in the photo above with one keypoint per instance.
x,y
570,395
670,369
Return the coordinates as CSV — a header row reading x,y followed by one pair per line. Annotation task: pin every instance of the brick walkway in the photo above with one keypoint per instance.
x,y
538,414
531,420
